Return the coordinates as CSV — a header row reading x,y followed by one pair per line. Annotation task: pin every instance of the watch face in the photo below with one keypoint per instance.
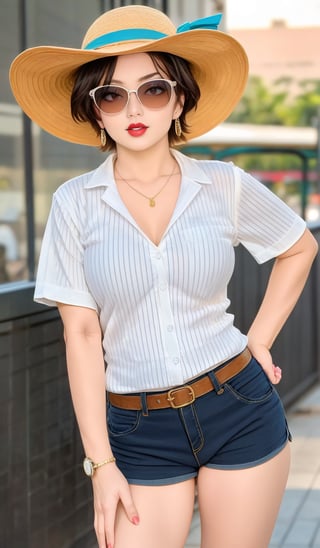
x,y
88,466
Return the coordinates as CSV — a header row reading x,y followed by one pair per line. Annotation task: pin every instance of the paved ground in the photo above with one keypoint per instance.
x,y
298,524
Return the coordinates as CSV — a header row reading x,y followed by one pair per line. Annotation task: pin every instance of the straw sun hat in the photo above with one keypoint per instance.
x,y
42,77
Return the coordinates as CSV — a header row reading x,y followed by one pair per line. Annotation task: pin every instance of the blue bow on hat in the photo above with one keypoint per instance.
x,y
206,23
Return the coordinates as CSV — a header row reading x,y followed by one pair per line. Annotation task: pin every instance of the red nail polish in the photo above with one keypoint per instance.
x,y
135,520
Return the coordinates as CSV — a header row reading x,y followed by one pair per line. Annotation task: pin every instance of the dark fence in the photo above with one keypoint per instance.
x,y
44,495
45,499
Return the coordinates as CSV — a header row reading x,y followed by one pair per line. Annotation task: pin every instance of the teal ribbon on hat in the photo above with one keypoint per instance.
x,y
206,23
123,36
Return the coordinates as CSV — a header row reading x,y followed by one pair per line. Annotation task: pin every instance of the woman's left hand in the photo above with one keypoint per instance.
x,y
263,356
280,297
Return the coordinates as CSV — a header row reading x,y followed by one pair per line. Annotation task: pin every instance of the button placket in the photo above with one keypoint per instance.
x,y
166,317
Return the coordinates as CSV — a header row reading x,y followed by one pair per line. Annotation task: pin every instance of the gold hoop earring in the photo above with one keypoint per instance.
x,y
103,137
177,127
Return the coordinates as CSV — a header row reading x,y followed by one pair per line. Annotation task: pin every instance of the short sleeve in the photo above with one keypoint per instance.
x,y
60,276
265,225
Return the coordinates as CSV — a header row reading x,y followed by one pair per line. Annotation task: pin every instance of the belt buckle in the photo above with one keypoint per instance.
x,y
171,397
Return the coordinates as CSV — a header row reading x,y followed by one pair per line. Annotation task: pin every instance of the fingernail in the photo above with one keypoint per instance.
x,y
109,546
135,520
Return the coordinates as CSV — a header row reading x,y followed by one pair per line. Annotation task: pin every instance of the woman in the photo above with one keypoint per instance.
x,y
139,253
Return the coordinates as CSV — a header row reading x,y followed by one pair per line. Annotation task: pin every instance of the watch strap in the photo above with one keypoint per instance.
x,y
107,461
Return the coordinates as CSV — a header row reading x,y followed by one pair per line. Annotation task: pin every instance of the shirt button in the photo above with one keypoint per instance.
x,y
176,361
156,255
170,328
163,287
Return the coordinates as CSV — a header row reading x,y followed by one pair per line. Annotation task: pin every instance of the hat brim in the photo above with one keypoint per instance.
x,y
41,80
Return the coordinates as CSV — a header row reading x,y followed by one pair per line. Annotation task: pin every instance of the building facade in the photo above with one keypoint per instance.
x,y
282,52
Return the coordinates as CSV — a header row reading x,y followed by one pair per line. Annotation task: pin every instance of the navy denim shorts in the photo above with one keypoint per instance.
x,y
242,427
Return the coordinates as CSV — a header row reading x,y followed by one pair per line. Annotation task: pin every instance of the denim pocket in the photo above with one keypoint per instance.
x,y
122,421
251,385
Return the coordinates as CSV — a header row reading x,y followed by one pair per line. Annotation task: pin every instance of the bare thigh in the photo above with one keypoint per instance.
x,y
165,515
238,508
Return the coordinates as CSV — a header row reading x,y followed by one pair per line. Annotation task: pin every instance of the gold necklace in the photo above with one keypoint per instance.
x,y
151,199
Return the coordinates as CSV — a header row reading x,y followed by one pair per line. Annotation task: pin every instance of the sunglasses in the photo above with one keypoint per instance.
x,y
154,94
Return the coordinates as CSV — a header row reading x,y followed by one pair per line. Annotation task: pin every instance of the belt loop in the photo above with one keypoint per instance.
x,y
217,386
144,404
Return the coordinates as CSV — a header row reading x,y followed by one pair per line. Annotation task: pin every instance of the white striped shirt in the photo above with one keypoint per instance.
x,y
162,309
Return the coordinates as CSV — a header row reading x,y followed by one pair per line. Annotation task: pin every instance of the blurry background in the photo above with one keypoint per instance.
x,y
274,133
282,39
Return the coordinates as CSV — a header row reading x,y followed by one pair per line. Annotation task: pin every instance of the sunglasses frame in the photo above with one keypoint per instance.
x,y
172,84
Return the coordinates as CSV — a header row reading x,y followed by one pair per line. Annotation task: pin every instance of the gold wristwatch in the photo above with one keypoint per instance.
x,y
90,467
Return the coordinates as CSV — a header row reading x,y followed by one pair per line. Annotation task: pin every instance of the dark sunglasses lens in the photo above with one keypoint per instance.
x,y
111,99
155,94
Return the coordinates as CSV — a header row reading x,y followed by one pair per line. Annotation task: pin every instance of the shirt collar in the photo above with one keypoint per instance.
x,y
190,168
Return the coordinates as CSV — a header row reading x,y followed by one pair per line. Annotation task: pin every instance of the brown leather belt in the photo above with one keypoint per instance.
x,y
186,394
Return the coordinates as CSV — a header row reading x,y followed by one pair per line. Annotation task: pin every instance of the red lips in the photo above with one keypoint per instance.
x,y
136,130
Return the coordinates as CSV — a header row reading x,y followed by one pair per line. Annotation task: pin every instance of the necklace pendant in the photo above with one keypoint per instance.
x,y
152,203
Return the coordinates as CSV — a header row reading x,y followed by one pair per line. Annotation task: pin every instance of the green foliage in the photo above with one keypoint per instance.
x,y
286,102
268,161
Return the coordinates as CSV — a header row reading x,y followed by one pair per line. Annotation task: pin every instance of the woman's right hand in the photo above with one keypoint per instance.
x,y
109,489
